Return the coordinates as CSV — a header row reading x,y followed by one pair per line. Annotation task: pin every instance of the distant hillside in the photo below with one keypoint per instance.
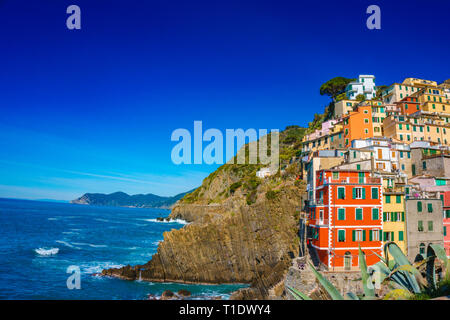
x,y
121,199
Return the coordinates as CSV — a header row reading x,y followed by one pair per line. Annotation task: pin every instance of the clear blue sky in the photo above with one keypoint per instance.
x,y
93,110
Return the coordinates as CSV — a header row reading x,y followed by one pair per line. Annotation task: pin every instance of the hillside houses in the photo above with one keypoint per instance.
x,y
379,171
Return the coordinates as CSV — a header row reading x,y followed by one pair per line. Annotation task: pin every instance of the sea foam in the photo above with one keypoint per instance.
x,y
46,252
179,221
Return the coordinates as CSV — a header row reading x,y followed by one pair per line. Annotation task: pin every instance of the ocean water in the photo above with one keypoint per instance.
x,y
40,240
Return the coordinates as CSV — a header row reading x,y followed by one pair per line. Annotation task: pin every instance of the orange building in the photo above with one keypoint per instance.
x,y
409,105
358,125
346,213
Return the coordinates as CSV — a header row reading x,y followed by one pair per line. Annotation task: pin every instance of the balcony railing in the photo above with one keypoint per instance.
x,y
320,222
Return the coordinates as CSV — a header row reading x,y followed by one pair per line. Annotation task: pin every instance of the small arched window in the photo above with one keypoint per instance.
x,y
422,248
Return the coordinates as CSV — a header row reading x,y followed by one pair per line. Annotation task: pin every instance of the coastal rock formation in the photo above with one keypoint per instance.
x,y
121,199
243,230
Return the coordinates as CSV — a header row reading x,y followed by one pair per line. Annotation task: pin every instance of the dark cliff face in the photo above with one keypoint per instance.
x,y
243,229
251,244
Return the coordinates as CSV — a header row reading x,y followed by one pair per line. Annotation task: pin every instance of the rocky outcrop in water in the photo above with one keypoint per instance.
x,y
243,230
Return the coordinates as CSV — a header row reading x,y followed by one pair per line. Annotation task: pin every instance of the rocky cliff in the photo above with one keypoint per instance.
x,y
243,230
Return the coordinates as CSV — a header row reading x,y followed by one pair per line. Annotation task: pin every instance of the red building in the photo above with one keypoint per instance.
x,y
347,212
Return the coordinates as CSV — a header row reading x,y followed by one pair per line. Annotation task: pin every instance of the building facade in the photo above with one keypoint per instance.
x,y
345,215
424,225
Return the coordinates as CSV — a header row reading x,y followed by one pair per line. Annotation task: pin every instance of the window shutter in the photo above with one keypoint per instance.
x,y
403,216
384,216
364,235
354,193
419,206
370,235
363,193
392,236
381,235
353,235
400,235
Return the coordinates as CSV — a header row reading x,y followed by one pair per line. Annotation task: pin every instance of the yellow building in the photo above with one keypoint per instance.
x,y
436,129
397,91
344,107
337,136
394,226
399,128
433,100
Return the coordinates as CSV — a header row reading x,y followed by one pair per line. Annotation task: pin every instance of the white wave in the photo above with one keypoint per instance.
x,y
101,220
179,221
97,267
156,243
52,219
67,244
90,245
46,252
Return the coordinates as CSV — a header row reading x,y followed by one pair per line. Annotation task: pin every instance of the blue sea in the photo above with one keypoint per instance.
x,y
40,240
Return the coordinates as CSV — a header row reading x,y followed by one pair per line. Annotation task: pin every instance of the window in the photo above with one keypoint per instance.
x,y
422,248
359,193
420,225
358,214
388,199
341,193
419,206
447,213
341,235
400,236
398,199
335,175
430,207
358,167
374,193
430,225
341,214
374,235
358,235
375,214
445,231
424,165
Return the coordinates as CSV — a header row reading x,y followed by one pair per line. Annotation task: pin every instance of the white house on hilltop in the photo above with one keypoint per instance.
x,y
365,85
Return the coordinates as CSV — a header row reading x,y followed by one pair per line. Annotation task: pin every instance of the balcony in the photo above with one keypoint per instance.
x,y
319,222
353,180
317,202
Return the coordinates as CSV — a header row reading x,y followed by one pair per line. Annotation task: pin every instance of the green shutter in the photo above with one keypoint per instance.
x,y
364,235
363,193
384,216
374,193
341,214
419,206
430,207
353,235
354,193
392,236
375,214
388,199
403,216
370,235
400,236
381,235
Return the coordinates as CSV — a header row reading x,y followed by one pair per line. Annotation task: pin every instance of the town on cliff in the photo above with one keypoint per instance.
x,y
362,193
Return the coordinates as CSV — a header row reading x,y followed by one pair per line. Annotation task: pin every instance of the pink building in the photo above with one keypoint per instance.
x,y
446,197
